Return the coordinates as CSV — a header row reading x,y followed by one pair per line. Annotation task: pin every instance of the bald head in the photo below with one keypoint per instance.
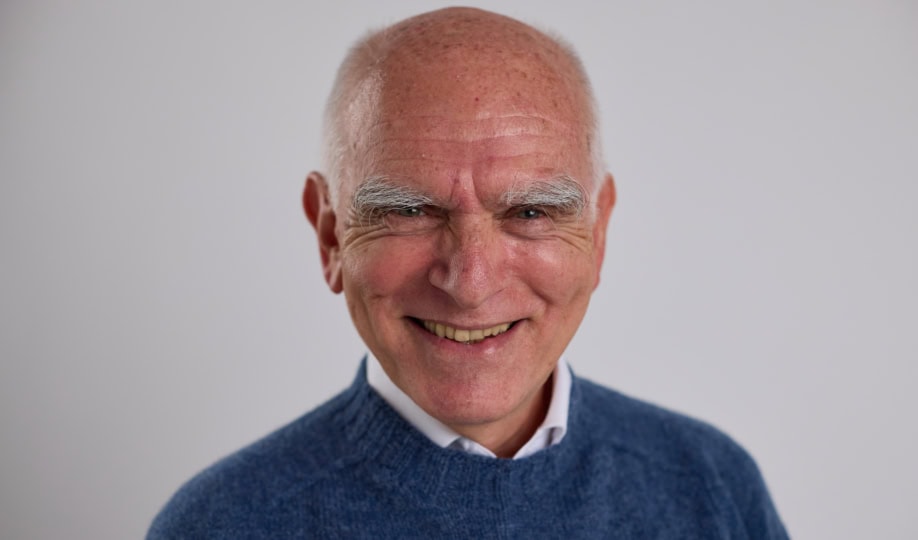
x,y
466,203
463,62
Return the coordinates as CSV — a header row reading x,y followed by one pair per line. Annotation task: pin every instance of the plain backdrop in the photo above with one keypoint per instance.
x,y
161,301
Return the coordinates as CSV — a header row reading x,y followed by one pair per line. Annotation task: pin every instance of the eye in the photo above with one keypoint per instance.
x,y
409,212
530,213
418,219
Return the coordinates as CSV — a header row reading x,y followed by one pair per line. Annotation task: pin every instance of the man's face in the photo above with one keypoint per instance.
x,y
469,288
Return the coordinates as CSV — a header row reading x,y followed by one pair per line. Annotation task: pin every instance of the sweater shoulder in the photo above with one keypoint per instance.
x,y
682,450
229,497
654,432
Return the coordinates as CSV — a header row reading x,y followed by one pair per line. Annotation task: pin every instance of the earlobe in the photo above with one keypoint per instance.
x,y
604,204
321,214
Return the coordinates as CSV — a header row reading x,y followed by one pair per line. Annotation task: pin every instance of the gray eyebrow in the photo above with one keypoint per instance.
x,y
378,195
562,193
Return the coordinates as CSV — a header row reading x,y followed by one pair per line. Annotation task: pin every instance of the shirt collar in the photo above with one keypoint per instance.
x,y
549,433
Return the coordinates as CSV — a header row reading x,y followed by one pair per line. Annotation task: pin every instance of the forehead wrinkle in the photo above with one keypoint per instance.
x,y
452,139
483,117
459,153
447,125
432,160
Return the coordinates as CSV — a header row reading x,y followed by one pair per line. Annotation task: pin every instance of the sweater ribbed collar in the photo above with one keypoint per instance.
x,y
398,454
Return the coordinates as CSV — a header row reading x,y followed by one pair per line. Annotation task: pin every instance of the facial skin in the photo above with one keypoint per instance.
x,y
478,130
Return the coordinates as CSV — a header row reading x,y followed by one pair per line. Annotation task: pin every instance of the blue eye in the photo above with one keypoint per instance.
x,y
411,211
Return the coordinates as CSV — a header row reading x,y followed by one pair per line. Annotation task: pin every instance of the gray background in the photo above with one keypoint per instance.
x,y
161,302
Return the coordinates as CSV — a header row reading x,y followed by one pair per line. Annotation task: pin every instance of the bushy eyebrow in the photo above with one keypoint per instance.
x,y
378,195
564,194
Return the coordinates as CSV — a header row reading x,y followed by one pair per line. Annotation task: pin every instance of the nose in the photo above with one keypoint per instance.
x,y
470,264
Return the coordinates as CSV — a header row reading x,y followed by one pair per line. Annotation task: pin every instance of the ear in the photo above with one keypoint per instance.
x,y
321,214
604,204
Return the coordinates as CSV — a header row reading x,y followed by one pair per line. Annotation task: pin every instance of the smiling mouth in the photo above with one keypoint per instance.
x,y
464,336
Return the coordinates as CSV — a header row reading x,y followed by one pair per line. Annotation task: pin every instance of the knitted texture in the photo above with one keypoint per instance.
x,y
353,468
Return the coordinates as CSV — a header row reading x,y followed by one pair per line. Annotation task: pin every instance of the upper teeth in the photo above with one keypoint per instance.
x,y
464,336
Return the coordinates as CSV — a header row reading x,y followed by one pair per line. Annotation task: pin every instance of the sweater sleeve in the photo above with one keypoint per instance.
x,y
747,495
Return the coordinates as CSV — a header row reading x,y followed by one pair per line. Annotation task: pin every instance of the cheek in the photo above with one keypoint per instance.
x,y
557,271
386,268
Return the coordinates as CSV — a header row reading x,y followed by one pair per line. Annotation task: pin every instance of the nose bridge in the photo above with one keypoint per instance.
x,y
469,267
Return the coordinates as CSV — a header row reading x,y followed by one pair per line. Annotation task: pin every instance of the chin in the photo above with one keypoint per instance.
x,y
473,406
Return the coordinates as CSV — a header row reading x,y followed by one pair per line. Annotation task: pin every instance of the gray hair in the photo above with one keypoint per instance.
x,y
563,194
356,89
378,195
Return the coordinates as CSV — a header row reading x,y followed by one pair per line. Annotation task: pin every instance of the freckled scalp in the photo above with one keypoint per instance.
x,y
481,48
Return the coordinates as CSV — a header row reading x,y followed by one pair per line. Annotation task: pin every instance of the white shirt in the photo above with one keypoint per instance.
x,y
549,433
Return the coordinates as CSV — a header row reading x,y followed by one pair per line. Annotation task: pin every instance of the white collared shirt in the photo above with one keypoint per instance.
x,y
549,433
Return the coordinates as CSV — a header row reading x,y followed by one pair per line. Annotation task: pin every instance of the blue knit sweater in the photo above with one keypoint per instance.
x,y
353,468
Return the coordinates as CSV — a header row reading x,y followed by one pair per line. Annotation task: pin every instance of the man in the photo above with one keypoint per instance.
x,y
463,214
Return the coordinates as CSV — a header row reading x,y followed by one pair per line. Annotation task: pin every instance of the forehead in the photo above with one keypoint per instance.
x,y
448,104
472,67
431,149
